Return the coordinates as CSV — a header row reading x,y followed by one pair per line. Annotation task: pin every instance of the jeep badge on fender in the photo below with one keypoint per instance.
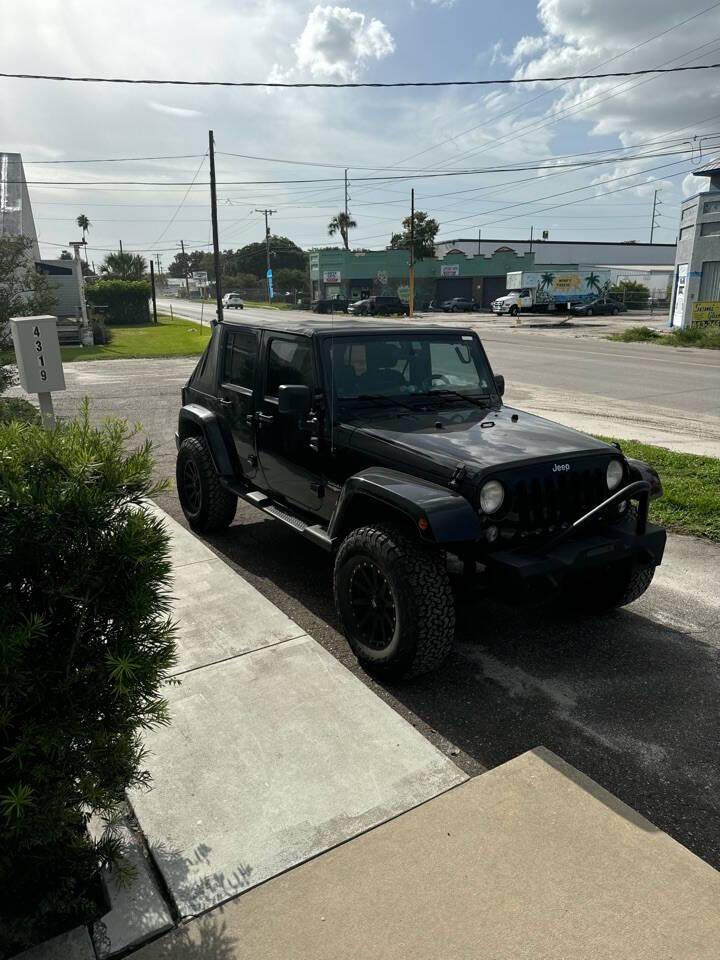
x,y
389,445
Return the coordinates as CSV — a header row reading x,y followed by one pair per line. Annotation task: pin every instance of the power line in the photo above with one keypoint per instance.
x,y
504,81
183,156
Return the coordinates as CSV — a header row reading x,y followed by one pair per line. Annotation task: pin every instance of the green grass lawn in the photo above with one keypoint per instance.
x,y
169,338
691,484
706,337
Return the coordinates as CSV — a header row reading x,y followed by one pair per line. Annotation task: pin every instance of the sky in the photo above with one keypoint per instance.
x,y
411,138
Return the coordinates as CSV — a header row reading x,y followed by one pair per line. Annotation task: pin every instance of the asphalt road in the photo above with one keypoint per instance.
x,y
630,698
637,391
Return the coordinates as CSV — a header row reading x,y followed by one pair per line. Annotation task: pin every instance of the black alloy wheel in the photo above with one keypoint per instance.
x,y
373,605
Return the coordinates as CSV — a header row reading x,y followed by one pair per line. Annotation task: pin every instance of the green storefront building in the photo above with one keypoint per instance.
x,y
355,274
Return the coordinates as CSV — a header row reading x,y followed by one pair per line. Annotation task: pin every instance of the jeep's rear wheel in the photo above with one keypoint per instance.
x,y
394,600
206,504
611,587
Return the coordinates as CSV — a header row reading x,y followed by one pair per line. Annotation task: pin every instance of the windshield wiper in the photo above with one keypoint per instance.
x,y
479,400
381,401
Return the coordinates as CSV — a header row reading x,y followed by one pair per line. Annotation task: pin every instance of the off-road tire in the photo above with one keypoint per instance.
x,y
424,606
216,507
613,587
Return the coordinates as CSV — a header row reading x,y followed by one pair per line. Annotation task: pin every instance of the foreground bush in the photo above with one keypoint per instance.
x,y
85,646
18,408
125,301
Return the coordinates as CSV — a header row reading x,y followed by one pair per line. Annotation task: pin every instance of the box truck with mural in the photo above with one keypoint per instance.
x,y
551,290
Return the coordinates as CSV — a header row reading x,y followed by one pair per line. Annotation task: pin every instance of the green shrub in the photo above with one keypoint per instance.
x,y
85,646
636,335
17,408
125,301
707,337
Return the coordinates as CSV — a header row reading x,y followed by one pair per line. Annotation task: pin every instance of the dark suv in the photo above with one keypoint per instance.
x,y
392,449
379,306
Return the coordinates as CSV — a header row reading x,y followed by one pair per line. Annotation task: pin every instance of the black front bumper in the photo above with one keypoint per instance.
x,y
632,538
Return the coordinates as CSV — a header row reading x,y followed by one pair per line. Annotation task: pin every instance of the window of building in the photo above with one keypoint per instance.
x,y
688,212
686,231
710,282
711,206
711,229
239,360
289,362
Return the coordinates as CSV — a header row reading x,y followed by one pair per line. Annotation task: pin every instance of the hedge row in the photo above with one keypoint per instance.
x,y
125,302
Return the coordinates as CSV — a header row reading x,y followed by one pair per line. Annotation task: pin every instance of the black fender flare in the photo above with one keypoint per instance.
x,y
439,514
639,470
207,424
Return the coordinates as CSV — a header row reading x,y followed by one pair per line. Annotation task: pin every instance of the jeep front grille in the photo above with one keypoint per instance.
x,y
541,503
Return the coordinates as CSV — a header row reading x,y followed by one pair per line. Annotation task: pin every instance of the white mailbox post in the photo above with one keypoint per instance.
x,y
37,351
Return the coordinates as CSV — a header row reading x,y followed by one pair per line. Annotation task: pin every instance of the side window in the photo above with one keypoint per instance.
x,y
289,362
239,359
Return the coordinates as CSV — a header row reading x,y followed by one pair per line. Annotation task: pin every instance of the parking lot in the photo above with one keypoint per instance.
x,y
629,698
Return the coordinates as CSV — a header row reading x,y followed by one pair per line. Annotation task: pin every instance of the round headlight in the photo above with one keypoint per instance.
x,y
614,474
492,495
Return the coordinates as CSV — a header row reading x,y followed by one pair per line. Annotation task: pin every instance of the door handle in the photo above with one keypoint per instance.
x,y
265,418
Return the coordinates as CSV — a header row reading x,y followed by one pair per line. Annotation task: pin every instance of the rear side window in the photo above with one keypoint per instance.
x,y
289,362
239,358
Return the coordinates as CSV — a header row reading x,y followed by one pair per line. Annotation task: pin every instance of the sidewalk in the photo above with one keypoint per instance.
x,y
530,860
275,752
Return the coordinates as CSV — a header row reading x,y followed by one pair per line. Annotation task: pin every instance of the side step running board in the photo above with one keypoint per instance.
x,y
258,499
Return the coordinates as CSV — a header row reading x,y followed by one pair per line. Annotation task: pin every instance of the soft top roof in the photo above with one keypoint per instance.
x,y
319,326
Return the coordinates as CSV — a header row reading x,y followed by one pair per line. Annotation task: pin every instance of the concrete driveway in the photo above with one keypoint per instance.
x,y
630,698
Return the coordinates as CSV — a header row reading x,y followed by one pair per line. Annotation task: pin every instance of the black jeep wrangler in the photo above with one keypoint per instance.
x,y
391,448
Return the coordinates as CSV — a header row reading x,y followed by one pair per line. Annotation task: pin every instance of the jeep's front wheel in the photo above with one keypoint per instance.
x,y
394,600
611,587
206,504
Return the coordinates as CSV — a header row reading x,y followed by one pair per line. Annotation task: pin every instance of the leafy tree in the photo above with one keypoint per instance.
x,y
85,649
124,266
23,293
66,255
426,229
632,293
342,223
284,254
289,280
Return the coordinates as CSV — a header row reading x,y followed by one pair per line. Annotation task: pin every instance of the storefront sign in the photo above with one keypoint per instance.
x,y
450,270
680,289
331,276
706,313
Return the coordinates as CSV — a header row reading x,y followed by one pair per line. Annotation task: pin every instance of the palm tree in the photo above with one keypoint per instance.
x,y
592,282
547,280
124,266
342,223
84,224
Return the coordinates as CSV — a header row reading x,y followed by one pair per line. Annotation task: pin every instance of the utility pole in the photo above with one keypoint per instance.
x,y
121,249
531,238
411,304
157,257
346,194
267,213
216,238
185,269
152,285
655,206
77,269
479,240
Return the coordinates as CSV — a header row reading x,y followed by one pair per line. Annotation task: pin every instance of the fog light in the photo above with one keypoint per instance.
x,y
492,534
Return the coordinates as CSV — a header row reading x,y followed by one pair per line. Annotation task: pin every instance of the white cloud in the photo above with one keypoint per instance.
x,y
337,42
174,111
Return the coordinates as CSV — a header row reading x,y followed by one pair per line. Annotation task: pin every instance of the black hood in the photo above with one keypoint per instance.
x,y
480,438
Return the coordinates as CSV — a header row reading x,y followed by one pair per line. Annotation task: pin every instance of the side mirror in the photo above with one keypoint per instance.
x,y
499,383
294,400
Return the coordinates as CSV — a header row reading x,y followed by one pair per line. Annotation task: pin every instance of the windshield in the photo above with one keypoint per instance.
x,y
397,366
